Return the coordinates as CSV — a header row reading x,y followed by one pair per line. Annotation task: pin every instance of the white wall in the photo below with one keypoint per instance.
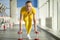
x,y
59,16
43,11
54,20
13,6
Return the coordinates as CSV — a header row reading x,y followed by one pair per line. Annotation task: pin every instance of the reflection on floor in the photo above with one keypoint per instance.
x,y
11,34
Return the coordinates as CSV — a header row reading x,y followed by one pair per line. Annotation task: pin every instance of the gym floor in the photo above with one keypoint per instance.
x,y
11,34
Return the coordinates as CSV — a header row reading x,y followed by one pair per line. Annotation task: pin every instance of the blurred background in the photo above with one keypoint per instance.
x,y
47,15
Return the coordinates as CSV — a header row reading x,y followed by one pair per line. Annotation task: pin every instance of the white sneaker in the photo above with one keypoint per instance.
x,y
28,36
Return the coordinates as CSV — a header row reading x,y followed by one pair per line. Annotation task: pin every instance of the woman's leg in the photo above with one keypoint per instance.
x,y
26,26
29,27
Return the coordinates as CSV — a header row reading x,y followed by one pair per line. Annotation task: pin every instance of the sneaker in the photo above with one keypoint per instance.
x,y
28,36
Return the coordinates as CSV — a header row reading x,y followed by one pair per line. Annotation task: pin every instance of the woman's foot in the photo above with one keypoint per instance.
x,y
28,36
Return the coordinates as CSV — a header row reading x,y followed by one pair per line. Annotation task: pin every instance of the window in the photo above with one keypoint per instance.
x,y
6,5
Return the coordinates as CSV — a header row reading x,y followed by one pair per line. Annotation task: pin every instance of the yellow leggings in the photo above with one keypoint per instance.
x,y
28,25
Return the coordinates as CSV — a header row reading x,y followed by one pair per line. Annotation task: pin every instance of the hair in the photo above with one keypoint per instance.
x,y
28,2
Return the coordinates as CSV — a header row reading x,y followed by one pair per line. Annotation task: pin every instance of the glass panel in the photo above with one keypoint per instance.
x,y
5,7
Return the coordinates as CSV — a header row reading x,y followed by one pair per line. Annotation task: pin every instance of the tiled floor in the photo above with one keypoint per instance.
x,y
11,34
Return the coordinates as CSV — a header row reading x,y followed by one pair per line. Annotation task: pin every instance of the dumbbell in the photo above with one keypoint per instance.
x,y
37,33
20,36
